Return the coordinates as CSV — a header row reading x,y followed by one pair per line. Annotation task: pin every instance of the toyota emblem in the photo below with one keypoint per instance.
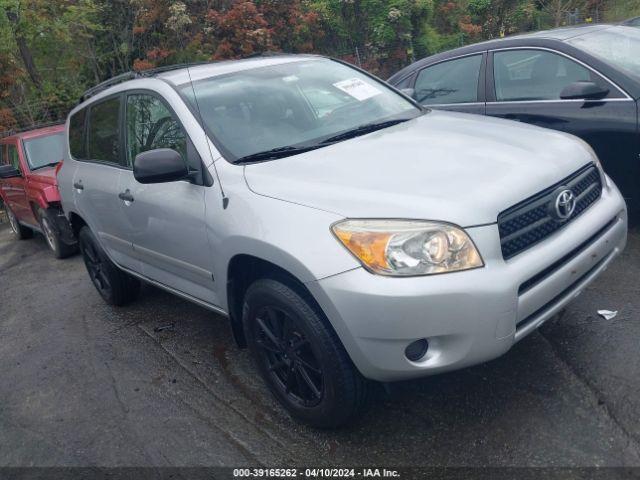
x,y
565,204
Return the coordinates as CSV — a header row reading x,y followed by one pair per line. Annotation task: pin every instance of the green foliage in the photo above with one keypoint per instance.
x,y
52,50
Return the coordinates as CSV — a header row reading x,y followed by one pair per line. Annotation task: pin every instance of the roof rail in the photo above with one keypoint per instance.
x,y
155,71
124,77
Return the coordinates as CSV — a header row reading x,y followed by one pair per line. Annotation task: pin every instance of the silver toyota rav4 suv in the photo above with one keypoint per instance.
x,y
348,233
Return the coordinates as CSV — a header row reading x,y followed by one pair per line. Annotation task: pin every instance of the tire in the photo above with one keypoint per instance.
x,y
114,286
309,371
20,231
51,234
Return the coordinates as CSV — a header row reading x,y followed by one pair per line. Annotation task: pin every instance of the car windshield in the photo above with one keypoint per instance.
x,y
44,151
618,46
280,110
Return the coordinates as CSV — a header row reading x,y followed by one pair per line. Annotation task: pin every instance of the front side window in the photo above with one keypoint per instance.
x,y
14,158
454,81
618,46
44,151
151,125
525,75
3,161
103,142
291,106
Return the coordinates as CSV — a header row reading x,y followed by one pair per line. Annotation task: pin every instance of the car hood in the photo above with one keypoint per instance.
x,y
44,175
460,168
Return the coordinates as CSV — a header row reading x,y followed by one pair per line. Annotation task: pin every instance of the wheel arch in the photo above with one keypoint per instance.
x,y
242,270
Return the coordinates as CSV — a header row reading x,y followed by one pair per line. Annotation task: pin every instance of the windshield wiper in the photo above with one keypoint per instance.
x,y
279,152
363,129
52,164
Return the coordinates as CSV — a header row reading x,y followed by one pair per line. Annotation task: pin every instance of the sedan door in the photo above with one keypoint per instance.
x,y
456,84
166,221
525,84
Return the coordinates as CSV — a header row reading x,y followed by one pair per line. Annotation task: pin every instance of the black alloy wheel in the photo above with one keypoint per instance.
x,y
299,355
289,357
95,264
115,286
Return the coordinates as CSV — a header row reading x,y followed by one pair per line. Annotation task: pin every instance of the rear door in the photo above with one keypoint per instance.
x,y
524,84
166,221
456,84
96,141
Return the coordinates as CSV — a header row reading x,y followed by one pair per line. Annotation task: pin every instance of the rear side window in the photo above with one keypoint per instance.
x,y
454,81
2,159
103,141
77,143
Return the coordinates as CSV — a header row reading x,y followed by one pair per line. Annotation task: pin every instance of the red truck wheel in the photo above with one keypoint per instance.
x,y
20,231
52,235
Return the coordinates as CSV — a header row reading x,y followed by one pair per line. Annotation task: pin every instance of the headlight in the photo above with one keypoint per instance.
x,y
408,247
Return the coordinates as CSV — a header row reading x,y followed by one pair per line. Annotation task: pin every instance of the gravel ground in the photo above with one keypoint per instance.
x,y
84,384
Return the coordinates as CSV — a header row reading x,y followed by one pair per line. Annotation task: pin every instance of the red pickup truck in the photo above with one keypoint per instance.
x,y
29,188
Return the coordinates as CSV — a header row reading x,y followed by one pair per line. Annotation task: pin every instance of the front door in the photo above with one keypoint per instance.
x,y
166,221
525,85
14,189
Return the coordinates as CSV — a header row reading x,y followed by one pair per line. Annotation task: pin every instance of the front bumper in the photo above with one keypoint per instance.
x,y
473,316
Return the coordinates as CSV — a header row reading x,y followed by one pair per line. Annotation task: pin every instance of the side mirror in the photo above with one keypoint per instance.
x,y
583,90
160,166
409,92
7,171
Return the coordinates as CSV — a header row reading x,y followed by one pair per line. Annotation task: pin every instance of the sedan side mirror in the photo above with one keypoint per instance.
x,y
7,171
583,91
160,166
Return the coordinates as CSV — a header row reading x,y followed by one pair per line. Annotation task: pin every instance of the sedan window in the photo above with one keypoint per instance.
x,y
523,75
617,46
455,81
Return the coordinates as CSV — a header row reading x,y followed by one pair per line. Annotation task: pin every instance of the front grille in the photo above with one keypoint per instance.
x,y
533,220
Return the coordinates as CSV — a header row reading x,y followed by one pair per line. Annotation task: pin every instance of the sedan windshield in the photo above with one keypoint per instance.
x,y
285,109
44,151
619,46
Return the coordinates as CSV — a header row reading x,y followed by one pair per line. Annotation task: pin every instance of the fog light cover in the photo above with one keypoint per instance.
x,y
415,351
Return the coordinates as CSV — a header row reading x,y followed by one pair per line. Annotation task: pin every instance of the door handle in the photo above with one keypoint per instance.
x,y
78,186
126,196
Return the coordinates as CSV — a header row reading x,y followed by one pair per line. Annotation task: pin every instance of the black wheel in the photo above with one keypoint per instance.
x,y
300,357
20,231
114,286
52,235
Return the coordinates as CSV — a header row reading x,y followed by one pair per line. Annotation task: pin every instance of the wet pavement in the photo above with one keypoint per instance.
x,y
161,383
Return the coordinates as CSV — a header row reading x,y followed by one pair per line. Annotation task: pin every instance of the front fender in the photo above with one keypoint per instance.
x,y
42,195
296,238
